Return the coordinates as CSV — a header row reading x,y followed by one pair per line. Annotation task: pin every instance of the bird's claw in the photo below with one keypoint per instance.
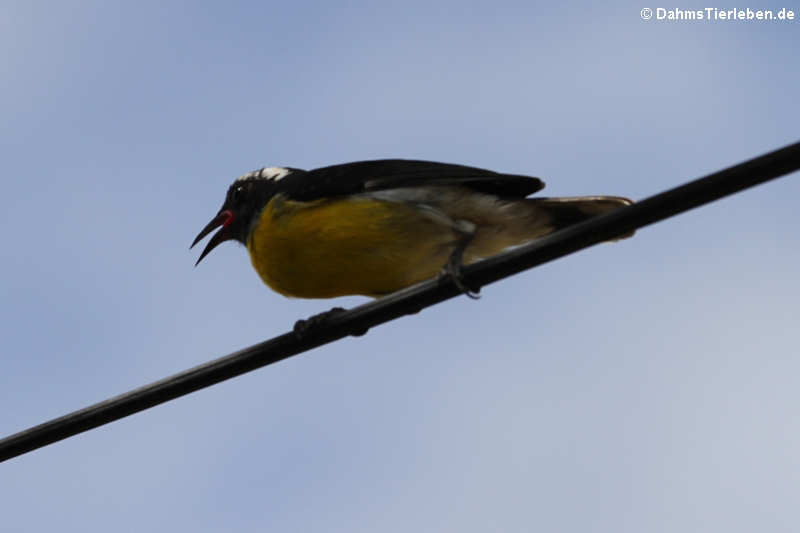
x,y
302,327
452,270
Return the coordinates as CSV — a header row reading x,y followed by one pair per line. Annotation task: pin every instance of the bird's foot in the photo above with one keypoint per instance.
x,y
453,270
302,327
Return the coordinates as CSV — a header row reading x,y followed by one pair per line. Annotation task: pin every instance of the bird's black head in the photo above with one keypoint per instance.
x,y
244,202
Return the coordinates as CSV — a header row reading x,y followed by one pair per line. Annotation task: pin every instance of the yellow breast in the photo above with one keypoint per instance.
x,y
346,246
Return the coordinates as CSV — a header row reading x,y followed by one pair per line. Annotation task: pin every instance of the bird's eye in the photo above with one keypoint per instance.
x,y
237,193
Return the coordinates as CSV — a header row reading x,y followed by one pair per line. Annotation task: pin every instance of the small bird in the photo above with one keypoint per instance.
x,y
374,227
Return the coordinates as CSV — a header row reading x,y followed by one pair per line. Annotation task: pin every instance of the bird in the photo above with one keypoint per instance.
x,y
374,227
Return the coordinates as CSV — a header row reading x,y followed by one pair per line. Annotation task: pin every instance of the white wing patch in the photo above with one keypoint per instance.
x,y
266,173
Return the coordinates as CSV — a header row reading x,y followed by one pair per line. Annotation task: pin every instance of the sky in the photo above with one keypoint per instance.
x,y
646,385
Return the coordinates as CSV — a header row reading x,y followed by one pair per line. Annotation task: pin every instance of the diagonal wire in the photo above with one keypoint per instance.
x,y
412,299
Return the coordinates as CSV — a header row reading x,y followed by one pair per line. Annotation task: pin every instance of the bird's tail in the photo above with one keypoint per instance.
x,y
518,222
563,212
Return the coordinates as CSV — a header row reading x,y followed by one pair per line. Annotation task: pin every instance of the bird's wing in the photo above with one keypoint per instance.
x,y
383,174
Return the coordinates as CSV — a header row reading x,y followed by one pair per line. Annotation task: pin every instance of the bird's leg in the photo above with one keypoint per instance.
x,y
453,268
301,327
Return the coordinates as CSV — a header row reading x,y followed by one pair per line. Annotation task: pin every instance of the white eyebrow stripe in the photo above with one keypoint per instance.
x,y
266,173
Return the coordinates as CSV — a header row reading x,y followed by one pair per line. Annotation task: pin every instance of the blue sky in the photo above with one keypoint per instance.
x,y
648,385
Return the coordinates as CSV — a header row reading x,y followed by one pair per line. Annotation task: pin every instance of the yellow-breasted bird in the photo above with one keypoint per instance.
x,y
374,227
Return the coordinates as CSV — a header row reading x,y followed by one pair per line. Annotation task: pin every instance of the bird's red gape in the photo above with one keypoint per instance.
x,y
228,218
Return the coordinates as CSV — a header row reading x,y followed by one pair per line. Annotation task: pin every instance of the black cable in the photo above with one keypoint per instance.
x,y
412,299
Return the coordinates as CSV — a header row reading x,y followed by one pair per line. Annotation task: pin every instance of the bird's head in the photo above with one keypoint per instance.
x,y
243,204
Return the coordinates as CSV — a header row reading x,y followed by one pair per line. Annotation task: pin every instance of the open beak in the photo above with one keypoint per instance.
x,y
224,219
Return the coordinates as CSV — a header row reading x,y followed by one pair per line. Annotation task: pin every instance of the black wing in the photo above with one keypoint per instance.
x,y
382,174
